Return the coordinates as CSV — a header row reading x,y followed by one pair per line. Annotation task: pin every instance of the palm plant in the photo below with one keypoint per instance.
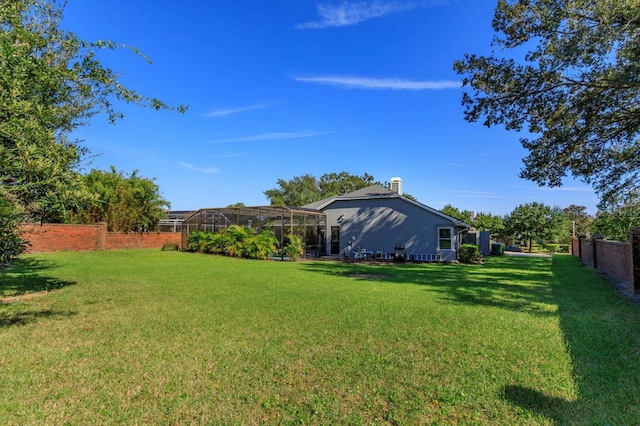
x,y
262,245
294,247
196,241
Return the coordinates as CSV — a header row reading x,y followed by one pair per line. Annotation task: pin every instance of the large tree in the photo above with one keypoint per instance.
x,y
307,188
567,72
342,183
298,191
578,219
50,83
536,222
489,222
125,203
616,222
463,215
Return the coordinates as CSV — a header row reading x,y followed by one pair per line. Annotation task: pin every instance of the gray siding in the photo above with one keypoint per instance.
x,y
381,224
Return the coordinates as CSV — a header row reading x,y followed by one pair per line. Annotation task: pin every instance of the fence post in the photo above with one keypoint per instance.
x,y
102,236
634,240
580,238
594,247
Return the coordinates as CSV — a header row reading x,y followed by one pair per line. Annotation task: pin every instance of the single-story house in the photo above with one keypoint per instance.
x,y
376,221
373,221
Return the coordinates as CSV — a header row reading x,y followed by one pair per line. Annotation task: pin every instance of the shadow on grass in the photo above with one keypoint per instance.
x,y
519,284
26,276
13,317
22,282
599,326
600,329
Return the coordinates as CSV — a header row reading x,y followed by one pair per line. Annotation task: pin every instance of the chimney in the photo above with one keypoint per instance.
x,y
396,185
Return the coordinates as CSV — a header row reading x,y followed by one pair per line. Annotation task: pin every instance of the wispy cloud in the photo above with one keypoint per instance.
x,y
230,111
272,136
351,13
464,166
206,170
472,194
381,83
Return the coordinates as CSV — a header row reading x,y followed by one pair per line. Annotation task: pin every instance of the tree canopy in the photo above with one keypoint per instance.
x,y
578,219
536,221
489,222
576,90
616,222
305,189
463,215
125,203
50,83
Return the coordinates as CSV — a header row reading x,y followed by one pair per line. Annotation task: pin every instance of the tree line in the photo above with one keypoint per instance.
x,y
563,73
532,222
538,222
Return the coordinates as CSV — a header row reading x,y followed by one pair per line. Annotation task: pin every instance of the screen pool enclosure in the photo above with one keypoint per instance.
x,y
308,224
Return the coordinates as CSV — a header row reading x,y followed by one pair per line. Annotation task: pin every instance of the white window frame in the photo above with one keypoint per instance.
x,y
450,239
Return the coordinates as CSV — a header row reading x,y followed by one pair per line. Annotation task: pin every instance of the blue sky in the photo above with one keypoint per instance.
x,y
282,88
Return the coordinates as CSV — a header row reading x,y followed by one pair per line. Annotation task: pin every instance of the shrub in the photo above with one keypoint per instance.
x,y
197,241
553,248
469,253
558,248
170,246
261,246
294,247
235,241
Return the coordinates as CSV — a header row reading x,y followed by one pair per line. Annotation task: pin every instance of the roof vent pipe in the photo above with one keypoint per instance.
x,y
396,185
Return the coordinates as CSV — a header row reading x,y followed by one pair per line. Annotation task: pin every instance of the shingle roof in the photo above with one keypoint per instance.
x,y
375,191
369,191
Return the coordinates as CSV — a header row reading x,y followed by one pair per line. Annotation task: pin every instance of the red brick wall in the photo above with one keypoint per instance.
x,y
120,240
60,237
575,248
614,259
587,251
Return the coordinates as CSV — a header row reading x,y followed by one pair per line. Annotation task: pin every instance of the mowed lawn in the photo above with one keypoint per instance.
x,y
151,337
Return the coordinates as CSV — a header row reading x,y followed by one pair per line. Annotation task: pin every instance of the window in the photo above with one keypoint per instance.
x,y
445,238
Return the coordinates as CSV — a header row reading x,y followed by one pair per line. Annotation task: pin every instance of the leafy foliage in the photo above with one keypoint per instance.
x,y
479,221
576,90
196,241
463,215
50,83
170,246
261,246
489,222
298,191
578,218
342,183
125,203
469,253
234,241
558,248
536,221
11,244
294,247
616,223
307,188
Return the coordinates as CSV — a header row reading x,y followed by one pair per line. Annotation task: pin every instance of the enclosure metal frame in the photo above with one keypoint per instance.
x,y
309,224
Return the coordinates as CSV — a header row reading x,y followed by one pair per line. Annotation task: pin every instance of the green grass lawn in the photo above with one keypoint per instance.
x,y
151,337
